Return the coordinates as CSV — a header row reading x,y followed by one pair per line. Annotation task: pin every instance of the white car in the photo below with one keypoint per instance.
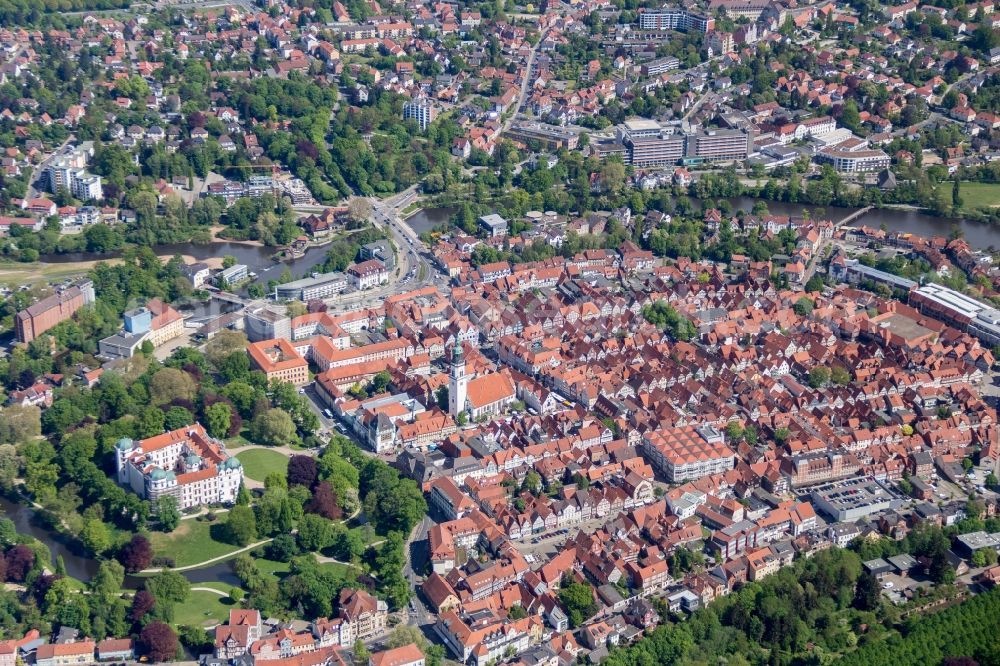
x,y
888,585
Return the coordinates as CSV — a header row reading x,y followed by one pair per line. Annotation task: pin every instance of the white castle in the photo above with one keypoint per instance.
x,y
185,463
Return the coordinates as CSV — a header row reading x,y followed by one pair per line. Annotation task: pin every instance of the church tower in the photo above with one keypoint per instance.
x,y
458,382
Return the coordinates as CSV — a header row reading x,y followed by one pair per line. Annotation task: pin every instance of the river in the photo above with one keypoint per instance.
x,y
83,568
979,235
257,257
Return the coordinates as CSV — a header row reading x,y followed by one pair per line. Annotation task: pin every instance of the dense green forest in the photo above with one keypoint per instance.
x,y
821,610
31,12
967,630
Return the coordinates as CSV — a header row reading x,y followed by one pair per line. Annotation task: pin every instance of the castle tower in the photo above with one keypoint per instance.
x,y
458,382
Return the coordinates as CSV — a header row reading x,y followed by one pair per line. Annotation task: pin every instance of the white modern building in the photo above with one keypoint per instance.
x,y
420,110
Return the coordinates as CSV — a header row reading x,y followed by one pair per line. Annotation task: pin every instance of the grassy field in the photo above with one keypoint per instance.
x,y
280,569
14,274
221,587
190,543
974,195
980,195
258,463
202,608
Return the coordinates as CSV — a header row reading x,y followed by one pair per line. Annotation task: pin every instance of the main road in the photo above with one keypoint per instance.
x,y
525,83
414,271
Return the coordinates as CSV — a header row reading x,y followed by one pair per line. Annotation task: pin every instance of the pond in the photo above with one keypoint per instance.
x,y
80,566
426,219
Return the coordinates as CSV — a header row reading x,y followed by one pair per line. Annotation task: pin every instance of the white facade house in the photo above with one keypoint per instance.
x,y
185,463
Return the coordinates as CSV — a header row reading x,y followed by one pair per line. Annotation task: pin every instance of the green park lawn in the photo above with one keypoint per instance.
x,y
202,608
974,195
190,543
980,195
280,569
258,463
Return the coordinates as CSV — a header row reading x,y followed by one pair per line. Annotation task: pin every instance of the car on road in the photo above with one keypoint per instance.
x,y
327,413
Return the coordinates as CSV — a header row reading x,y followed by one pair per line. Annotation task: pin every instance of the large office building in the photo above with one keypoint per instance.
x,y
46,313
853,498
688,453
647,143
319,285
185,463
963,312
265,323
278,359
155,322
854,161
718,145
675,18
550,137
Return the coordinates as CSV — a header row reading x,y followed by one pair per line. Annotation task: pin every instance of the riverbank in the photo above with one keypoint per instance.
x,y
14,275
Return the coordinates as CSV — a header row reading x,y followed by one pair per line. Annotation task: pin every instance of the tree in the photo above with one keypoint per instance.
x,y
241,525
282,548
225,343
107,582
803,307
235,595
984,557
940,569
137,554
302,471
142,603
905,487
819,376
866,592
360,652
578,600
324,502
315,533
814,284
168,587
20,560
359,209
159,642
273,427
170,384
533,482
95,536
840,376
612,177
850,116
8,533
991,480
167,513
177,417
218,418
19,423
405,634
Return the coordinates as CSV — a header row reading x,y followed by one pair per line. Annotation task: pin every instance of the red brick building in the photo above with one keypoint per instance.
x,y
46,313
